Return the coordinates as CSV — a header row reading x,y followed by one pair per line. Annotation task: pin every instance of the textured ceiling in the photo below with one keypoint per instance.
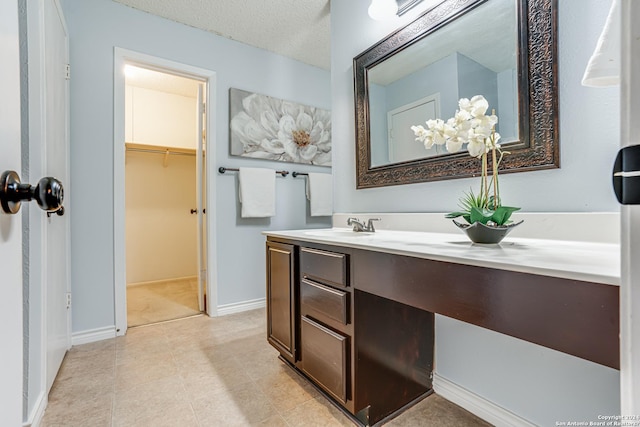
x,y
299,29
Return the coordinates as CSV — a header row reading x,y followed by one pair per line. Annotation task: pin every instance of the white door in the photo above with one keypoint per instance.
x,y
201,198
10,225
402,141
630,226
57,284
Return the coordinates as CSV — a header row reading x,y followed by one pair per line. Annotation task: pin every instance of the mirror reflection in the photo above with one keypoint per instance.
x,y
475,54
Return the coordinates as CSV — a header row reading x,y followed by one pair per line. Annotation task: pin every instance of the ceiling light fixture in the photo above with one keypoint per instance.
x,y
383,9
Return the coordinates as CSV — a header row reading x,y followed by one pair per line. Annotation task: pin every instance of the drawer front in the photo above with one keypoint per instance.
x,y
331,302
324,358
324,266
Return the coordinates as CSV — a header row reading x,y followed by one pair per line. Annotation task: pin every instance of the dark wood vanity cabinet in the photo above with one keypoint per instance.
x,y
369,355
359,323
281,299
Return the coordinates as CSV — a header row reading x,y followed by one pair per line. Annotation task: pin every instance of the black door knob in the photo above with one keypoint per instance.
x,y
48,193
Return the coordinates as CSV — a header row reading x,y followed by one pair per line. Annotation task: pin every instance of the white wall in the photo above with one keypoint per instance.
x,y
537,384
96,27
159,118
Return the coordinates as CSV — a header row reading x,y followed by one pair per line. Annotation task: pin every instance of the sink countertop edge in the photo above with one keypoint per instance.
x,y
601,259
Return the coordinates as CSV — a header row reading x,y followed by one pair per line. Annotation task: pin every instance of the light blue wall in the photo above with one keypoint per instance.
x,y
476,79
535,383
436,78
95,27
378,125
508,102
589,125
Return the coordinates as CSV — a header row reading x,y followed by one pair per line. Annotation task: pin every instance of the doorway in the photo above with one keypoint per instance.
x,y
161,231
162,135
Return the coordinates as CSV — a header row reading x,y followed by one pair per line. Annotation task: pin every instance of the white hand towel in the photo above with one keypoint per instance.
x,y
320,194
257,192
603,68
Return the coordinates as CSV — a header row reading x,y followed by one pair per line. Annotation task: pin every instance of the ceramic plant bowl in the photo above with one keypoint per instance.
x,y
480,233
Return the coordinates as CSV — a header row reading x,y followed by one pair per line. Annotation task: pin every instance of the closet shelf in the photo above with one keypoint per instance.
x,y
159,149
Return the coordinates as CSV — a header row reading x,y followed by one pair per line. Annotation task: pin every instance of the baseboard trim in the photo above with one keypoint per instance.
x,y
238,307
477,405
93,335
35,417
156,282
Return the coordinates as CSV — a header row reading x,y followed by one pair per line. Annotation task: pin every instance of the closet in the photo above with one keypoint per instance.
x,y
163,222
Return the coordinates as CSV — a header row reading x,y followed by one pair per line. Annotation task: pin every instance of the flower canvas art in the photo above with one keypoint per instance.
x,y
263,127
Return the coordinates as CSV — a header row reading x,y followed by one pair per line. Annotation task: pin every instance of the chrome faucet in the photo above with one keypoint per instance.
x,y
359,226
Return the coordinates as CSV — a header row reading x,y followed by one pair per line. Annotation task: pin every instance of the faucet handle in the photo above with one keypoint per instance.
x,y
370,223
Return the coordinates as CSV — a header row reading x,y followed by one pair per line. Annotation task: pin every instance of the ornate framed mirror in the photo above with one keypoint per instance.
x,y
505,50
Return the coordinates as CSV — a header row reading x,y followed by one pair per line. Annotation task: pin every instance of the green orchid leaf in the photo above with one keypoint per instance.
x,y
480,215
452,215
502,214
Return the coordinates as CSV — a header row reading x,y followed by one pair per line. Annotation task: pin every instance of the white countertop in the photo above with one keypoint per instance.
x,y
592,262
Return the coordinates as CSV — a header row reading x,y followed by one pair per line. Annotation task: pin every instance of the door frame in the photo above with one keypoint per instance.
x,y
121,58
630,216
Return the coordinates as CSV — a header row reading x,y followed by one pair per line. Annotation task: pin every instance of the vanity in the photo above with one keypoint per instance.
x,y
354,312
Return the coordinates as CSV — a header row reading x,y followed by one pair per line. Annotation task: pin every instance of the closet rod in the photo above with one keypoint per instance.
x,y
222,169
145,150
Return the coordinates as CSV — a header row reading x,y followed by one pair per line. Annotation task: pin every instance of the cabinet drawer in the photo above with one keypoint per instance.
x,y
324,266
331,302
324,358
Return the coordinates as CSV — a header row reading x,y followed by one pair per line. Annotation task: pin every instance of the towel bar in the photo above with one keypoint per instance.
x,y
297,174
222,169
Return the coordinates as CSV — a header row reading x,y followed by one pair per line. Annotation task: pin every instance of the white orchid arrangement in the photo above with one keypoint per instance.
x,y
473,127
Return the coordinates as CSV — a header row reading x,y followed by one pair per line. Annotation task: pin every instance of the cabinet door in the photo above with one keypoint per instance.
x,y
281,298
324,357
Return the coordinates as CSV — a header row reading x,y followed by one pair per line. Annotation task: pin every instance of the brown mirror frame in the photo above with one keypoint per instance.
x,y
538,147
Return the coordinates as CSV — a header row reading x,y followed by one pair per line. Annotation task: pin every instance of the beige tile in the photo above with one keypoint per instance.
x,y
275,421
238,406
317,412
148,399
436,411
286,389
79,412
203,379
144,370
80,387
172,415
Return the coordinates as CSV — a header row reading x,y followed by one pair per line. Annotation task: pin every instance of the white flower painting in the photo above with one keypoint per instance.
x,y
263,127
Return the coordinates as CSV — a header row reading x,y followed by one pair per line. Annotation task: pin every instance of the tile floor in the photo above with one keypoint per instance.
x,y
202,371
157,302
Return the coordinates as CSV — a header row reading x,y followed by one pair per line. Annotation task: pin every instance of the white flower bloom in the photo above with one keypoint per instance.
x,y
479,106
468,126
269,128
464,104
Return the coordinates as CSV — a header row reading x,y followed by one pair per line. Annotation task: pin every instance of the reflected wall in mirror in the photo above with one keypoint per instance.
x,y
504,50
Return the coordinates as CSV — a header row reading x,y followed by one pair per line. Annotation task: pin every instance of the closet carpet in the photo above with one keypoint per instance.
x,y
201,372
157,302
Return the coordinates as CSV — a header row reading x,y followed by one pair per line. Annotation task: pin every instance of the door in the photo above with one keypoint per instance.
x,y
10,225
402,141
56,263
281,312
630,218
201,198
